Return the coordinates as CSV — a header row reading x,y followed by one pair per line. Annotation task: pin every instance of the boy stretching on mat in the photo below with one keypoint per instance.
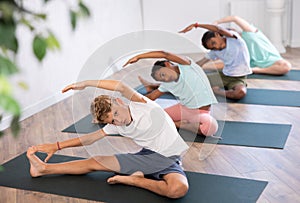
x,y
145,122
188,82
264,57
231,49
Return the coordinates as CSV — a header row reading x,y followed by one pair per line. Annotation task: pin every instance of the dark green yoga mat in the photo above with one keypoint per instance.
x,y
84,125
292,75
269,97
255,96
234,133
203,187
248,134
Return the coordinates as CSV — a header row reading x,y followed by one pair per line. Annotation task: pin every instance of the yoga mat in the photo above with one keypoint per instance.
x,y
292,75
255,96
234,133
248,134
84,125
93,186
269,97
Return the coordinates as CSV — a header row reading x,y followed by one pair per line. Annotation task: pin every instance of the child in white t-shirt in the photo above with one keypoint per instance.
x,y
264,57
231,49
146,123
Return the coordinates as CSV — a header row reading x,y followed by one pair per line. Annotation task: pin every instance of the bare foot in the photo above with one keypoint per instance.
x,y
36,165
148,85
123,179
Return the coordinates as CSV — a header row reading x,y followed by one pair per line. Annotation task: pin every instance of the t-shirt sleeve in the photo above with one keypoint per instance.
x,y
211,55
163,88
110,129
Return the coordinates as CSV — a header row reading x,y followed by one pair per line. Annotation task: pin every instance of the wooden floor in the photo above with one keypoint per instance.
x,y
279,167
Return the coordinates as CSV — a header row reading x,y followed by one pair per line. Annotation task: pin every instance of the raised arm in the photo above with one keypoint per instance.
x,y
112,85
242,23
159,54
211,27
88,139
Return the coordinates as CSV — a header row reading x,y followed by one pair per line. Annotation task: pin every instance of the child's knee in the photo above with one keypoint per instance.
x,y
208,125
241,93
286,67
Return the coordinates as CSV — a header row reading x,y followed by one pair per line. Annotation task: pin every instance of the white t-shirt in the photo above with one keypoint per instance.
x,y
235,57
151,128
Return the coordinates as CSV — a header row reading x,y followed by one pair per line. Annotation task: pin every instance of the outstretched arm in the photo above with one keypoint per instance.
x,y
113,85
159,54
87,139
242,23
154,94
210,27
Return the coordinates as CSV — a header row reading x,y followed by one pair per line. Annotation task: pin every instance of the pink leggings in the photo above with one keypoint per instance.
x,y
208,125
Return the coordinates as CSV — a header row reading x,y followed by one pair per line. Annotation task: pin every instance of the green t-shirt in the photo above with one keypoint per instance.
x,y
192,88
262,52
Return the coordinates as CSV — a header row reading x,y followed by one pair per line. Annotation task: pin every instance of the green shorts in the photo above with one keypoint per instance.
x,y
228,82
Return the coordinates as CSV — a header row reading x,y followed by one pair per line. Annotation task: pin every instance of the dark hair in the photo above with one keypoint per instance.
x,y
207,36
157,65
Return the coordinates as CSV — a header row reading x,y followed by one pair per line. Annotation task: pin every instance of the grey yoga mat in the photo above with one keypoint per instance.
x,y
202,187
234,133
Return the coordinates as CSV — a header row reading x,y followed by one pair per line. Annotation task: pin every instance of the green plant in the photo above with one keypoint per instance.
x,y
14,14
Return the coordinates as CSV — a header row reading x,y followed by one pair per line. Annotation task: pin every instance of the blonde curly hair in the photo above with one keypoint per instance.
x,y
100,107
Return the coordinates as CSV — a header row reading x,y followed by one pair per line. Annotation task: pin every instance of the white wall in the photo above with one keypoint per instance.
x,y
174,15
110,18
295,32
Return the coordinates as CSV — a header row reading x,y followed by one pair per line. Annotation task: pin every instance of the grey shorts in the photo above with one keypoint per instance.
x,y
152,164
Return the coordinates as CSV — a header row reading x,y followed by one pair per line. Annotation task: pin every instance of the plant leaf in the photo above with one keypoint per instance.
x,y
15,125
27,23
7,10
73,17
52,42
43,16
8,35
84,10
7,67
9,104
23,85
39,47
5,87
